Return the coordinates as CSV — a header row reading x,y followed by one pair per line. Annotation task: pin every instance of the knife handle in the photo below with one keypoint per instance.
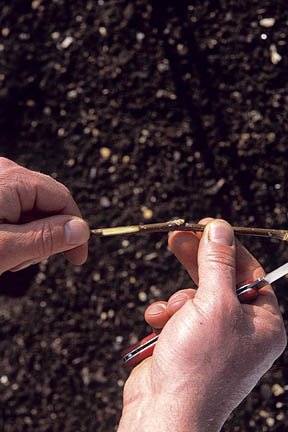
x,y
245,293
140,350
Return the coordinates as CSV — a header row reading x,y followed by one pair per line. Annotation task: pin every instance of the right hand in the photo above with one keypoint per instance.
x,y
212,350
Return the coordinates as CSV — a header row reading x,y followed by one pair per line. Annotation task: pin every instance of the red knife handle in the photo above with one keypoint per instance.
x,y
245,293
139,351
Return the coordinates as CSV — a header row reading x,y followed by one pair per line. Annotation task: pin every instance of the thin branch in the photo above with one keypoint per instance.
x,y
181,225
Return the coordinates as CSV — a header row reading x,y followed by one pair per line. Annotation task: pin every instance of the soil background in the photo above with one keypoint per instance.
x,y
146,110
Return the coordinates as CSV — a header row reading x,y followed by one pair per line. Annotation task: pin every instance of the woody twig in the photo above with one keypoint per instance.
x,y
181,225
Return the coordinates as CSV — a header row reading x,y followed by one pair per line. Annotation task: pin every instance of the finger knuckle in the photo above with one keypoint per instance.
x,y
62,191
55,182
222,257
44,240
4,162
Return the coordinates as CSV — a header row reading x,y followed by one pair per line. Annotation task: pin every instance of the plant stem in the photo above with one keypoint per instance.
x,y
181,225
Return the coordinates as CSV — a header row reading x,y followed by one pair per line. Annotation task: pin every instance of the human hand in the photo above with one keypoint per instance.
x,y
212,350
38,218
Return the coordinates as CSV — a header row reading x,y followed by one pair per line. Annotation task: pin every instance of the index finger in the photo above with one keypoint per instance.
x,y
52,196
79,254
25,192
61,202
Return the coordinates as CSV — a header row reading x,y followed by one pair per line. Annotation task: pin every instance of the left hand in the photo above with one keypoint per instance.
x,y
38,218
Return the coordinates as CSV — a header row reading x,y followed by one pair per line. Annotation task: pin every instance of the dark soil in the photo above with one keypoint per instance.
x,y
191,100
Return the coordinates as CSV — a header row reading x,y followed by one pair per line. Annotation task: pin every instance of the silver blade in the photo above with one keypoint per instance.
x,y
276,274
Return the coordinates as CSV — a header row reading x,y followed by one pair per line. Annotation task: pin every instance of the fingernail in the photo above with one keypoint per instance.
x,y
76,232
221,232
178,298
156,309
183,238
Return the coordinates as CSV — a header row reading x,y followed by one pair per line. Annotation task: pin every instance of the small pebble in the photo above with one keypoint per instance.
x,y
275,56
277,390
263,414
35,4
40,277
5,32
72,94
105,152
70,163
155,291
111,313
145,132
55,35
267,22
93,172
30,103
96,277
126,159
67,42
142,140
150,256
61,132
142,296
270,421
105,202
140,36
147,213
4,380
176,156
162,67
95,132
103,31
85,376
280,416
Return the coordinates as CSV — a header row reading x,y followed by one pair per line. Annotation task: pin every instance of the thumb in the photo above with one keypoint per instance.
x,y
216,262
21,245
